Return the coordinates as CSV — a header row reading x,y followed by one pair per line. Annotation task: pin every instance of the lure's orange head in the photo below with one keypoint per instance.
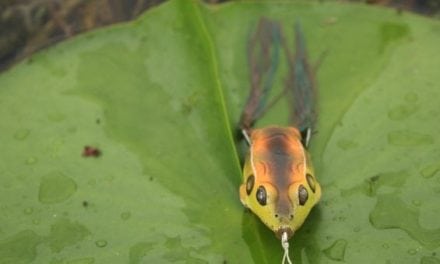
x,y
279,184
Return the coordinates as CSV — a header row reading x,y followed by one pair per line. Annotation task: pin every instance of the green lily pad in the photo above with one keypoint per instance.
x,y
160,97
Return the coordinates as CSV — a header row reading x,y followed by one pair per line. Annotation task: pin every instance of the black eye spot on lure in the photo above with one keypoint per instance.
x,y
250,184
261,195
303,195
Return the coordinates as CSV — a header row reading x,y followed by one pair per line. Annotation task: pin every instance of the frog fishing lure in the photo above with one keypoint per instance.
x,y
279,183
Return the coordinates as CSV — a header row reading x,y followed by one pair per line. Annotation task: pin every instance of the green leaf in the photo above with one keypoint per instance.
x,y
161,96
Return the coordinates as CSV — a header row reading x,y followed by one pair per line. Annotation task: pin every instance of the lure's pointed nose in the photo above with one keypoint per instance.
x,y
285,219
283,230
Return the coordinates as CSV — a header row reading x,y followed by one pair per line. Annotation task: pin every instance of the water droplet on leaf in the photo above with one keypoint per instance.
x,y
430,260
55,187
337,250
101,243
401,112
139,251
64,233
406,138
31,160
388,213
28,210
125,215
20,248
21,134
56,117
430,170
345,144
416,202
411,97
81,261
412,251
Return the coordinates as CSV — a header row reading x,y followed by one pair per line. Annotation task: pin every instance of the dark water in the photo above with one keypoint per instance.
x,y
27,26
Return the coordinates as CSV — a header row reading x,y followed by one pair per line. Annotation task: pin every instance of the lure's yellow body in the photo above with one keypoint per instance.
x,y
279,184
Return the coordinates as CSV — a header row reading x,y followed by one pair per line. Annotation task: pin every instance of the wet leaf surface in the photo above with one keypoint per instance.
x,y
160,97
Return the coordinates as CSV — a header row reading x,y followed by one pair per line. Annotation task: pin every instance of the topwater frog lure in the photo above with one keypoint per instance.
x,y
279,183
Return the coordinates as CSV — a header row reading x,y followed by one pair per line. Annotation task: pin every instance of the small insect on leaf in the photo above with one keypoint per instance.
x,y
89,151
